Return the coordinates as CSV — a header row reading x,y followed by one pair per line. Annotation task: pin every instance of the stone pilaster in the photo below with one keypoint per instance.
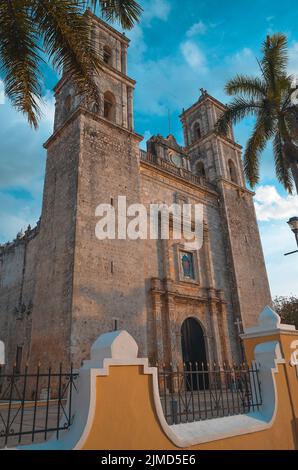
x,y
130,108
225,328
207,253
157,318
173,334
215,325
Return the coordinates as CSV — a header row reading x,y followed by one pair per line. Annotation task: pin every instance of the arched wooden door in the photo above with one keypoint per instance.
x,y
194,353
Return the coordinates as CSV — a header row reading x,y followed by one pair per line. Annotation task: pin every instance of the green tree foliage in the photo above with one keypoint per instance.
x,y
287,309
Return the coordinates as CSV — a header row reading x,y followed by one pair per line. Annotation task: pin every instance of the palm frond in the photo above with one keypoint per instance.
x,y
250,87
238,109
255,146
20,58
282,167
68,43
286,92
125,12
275,59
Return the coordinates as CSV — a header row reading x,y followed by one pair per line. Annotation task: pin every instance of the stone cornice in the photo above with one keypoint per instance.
x,y
82,111
241,189
210,134
230,142
180,296
175,294
105,68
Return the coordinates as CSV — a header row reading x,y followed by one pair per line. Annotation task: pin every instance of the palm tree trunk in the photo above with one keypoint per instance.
x,y
294,168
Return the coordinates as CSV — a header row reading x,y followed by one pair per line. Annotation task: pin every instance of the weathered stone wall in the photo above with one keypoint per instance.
x,y
53,294
17,283
251,282
108,274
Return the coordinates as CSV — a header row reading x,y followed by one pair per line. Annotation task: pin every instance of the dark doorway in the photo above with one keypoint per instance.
x,y
194,354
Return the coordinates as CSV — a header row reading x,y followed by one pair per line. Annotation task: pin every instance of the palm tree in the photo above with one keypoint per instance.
x,y
34,31
269,99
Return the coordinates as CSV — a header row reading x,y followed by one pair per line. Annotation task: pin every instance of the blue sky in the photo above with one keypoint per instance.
x,y
177,48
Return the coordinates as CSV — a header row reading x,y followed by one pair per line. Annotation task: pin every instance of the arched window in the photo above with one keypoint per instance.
x,y
109,106
232,171
200,170
197,131
107,55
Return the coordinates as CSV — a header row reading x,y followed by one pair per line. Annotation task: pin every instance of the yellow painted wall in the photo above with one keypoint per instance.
x,y
125,417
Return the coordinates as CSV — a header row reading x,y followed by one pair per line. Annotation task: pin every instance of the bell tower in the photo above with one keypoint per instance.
x,y
220,155
92,158
219,158
114,86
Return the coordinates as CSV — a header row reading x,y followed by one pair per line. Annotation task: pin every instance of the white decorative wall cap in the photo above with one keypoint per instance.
x,y
269,322
117,345
269,354
2,353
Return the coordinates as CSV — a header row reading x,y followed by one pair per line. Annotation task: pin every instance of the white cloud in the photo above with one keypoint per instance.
x,y
193,55
155,9
270,205
197,28
173,80
243,60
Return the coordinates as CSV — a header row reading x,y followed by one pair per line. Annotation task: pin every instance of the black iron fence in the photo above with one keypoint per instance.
x,y
200,392
35,405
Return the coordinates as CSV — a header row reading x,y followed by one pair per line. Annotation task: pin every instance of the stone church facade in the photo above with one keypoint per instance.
x,y
60,287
